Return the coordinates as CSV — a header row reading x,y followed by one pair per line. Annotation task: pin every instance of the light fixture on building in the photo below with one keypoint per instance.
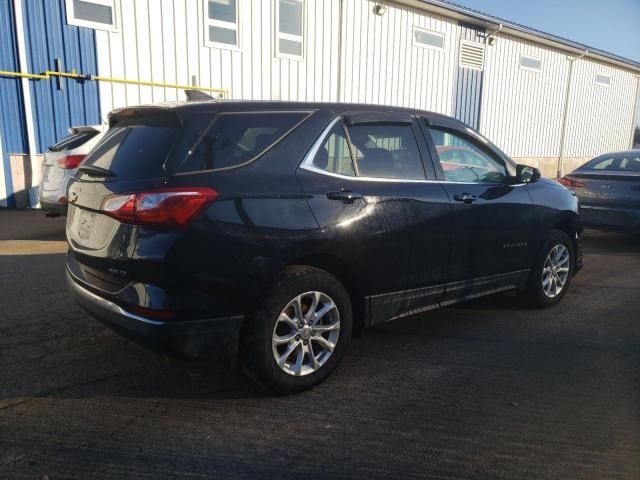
x,y
380,10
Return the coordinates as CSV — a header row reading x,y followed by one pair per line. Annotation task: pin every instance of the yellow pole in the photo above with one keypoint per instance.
x,y
48,74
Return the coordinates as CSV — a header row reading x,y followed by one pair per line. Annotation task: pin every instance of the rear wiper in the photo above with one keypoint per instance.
x,y
94,171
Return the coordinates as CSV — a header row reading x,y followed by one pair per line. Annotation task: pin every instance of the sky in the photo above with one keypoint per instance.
x,y
609,25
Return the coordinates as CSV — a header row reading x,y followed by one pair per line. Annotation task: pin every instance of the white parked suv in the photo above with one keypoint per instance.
x,y
60,163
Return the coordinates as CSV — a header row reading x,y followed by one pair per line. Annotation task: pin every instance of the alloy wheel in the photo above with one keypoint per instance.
x,y
306,333
555,271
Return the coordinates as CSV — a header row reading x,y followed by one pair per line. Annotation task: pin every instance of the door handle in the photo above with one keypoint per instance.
x,y
465,197
346,196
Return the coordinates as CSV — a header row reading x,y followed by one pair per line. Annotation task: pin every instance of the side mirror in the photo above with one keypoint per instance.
x,y
526,174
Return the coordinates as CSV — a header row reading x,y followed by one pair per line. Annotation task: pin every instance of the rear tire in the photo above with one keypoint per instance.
x,y
300,333
551,274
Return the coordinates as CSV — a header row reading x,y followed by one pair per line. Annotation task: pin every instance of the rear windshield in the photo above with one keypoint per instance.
x,y
73,141
234,139
135,147
629,162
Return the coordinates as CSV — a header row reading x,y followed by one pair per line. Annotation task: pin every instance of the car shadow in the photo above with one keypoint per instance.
x,y
165,378
31,224
611,243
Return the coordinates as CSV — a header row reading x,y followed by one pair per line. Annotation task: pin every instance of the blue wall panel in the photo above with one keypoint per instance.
x,y
48,36
12,123
468,93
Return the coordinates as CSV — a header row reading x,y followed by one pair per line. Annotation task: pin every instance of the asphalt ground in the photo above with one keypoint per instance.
x,y
485,389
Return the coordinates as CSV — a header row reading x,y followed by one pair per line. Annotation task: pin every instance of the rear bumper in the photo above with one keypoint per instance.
x,y
610,218
207,338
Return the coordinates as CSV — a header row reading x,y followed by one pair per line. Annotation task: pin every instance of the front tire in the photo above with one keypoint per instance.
x,y
552,271
300,333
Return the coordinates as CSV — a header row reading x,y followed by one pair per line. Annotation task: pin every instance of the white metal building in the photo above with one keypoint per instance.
x,y
544,100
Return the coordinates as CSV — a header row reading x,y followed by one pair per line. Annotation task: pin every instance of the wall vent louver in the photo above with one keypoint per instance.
x,y
471,55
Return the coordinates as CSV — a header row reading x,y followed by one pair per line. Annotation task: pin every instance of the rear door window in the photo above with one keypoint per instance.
x,y
386,151
234,139
73,141
136,147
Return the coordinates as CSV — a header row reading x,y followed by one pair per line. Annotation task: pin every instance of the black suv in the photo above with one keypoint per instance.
x,y
271,231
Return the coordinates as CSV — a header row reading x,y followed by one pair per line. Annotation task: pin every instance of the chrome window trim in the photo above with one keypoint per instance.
x,y
311,168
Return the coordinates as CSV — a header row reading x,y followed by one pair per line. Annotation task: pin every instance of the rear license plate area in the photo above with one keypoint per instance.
x,y
85,224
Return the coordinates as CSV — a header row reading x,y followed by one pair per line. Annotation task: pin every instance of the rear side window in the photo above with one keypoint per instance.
x,y
334,155
234,139
386,151
73,141
136,147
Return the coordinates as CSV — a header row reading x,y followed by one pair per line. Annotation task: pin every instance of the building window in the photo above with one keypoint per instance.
x,y
221,23
427,38
97,14
289,28
604,80
530,63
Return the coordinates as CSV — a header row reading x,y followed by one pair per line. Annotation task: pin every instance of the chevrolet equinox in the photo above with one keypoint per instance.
x,y
270,232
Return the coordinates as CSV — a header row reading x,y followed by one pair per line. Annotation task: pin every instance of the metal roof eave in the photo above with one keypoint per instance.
x,y
490,22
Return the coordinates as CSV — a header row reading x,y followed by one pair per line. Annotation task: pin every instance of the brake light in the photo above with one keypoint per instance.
x,y
70,161
167,207
567,182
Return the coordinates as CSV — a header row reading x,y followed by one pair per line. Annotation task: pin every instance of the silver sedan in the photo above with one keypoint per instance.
x,y
608,188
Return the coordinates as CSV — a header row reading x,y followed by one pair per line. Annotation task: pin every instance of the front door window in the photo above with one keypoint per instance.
x,y
462,161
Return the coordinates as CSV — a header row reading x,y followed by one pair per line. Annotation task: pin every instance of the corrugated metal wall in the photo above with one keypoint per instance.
x,y
163,41
600,118
350,55
48,36
521,109
381,65
13,137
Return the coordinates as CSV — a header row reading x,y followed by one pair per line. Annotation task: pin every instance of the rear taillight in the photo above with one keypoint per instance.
x,y
167,207
70,161
567,182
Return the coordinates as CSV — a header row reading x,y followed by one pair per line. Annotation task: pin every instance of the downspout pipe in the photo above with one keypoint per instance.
x,y
31,180
493,32
636,101
565,115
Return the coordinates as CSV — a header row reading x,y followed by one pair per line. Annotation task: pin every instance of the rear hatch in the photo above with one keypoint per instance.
x,y
130,158
135,204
